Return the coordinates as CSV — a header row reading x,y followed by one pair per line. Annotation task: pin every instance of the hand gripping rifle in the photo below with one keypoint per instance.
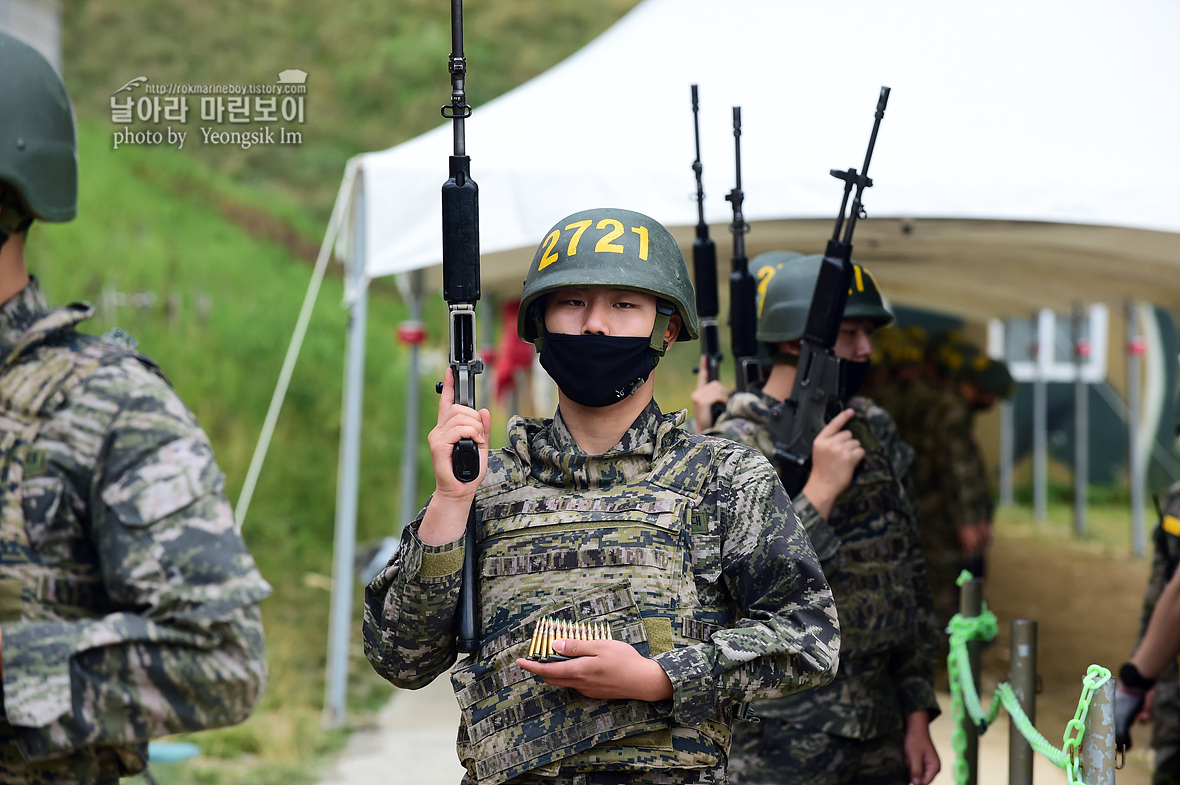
x,y
460,231
742,319
816,396
704,265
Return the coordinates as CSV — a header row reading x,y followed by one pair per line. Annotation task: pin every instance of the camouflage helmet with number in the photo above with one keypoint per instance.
x,y
609,247
38,142
786,299
765,266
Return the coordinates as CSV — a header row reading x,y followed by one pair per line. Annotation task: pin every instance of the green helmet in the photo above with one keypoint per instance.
x,y
765,266
38,147
894,346
787,293
988,374
609,247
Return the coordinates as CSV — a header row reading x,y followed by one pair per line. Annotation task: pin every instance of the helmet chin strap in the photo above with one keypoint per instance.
x,y
15,216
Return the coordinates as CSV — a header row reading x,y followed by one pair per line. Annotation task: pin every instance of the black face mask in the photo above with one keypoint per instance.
x,y
853,378
597,370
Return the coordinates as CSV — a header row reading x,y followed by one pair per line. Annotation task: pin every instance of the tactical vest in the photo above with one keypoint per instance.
x,y
36,379
628,556
874,578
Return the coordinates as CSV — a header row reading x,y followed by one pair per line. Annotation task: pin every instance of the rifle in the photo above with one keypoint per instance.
x,y
704,264
460,261
743,326
816,395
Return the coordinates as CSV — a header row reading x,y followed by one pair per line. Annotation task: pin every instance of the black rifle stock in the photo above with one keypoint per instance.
x,y
704,264
743,326
816,396
460,254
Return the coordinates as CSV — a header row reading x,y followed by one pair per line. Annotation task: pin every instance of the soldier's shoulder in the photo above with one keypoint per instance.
x,y
121,373
877,416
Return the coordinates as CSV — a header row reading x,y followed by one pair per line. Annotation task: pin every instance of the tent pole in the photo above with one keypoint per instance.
x,y
1044,325
409,508
1007,428
348,481
276,401
1134,404
1081,423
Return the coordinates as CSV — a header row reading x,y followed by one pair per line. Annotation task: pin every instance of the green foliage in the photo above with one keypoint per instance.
x,y
377,72
1108,521
1061,493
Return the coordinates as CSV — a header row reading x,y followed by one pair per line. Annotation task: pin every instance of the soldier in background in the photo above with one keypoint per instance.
x,y
128,601
685,546
871,723
980,382
954,503
1148,684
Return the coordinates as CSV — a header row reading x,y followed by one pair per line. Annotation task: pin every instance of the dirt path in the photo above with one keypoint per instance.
x,y
1085,599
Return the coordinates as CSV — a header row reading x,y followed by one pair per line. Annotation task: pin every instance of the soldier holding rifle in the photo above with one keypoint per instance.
x,y
840,458
621,587
871,724
685,547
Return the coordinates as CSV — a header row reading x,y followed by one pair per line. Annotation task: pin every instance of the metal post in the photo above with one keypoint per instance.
x,y
1007,451
409,502
1007,430
1041,417
1134,457
1022,675
971,605
348,484
1081,422
1097,753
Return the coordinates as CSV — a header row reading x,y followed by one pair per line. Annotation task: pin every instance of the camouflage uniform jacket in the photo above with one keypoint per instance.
x,y
717,582
128,602
871,553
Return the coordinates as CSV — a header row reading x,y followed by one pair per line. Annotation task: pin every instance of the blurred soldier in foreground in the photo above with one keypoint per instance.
x,y
871,724
1147,687
128,601
685,547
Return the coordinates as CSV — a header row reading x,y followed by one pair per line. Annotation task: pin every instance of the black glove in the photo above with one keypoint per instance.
x,y
1129,694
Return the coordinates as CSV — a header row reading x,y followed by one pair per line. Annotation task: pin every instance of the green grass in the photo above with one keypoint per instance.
x,y
1108,523
377,72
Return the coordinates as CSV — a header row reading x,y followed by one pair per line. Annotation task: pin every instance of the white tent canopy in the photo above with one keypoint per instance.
x,y
1026,158
1046,111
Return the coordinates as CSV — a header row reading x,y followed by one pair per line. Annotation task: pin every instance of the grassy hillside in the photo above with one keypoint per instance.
x,y
377,72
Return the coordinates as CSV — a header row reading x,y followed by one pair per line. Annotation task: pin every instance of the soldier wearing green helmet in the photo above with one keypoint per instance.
x,y
609,515
871,723
707,394
128,601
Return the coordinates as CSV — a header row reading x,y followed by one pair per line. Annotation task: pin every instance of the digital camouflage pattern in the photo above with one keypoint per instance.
x,y
871,554
686,545
1165,736
128,603
773,753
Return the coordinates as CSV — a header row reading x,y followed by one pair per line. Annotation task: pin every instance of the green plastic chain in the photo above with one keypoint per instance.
x,y
965,698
